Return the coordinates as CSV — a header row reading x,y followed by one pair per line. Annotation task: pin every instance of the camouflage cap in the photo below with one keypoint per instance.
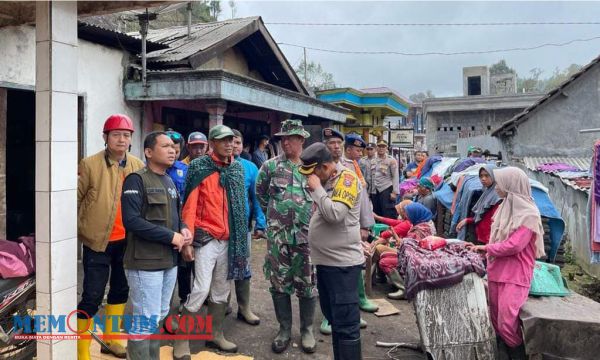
x,y
293,127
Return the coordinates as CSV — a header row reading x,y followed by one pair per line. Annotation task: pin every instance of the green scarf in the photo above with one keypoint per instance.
x,y
231,179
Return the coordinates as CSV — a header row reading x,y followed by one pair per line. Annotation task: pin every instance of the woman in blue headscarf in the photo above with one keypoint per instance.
x,y
422,226
485,208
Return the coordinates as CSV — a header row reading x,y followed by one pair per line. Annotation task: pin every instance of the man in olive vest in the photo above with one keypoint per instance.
x,y
155,233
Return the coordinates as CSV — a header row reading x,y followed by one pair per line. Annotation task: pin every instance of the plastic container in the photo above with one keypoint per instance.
x,y
377,229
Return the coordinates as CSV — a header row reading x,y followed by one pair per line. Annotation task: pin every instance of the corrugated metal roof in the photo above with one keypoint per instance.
x,y
533,162
522,116
582,183
202,37
117,39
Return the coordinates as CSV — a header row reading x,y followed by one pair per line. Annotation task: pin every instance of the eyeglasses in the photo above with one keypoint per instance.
x,y
174,135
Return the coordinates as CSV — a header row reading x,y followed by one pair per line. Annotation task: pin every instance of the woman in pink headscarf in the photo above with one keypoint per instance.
x,y
516,240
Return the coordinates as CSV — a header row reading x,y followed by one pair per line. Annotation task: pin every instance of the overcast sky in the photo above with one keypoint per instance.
x,y
441,74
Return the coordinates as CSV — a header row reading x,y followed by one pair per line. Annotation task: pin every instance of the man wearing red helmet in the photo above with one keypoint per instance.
x,y
100,229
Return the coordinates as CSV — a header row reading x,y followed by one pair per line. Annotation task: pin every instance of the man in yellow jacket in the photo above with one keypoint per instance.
x,y
100,229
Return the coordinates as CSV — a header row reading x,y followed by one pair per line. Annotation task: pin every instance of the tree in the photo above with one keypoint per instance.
x,y
317,77
531,83
233,7
558,76
419,97
500,68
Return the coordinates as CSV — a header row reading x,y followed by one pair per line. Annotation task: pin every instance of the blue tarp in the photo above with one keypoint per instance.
x,y
543,202
444,195
557,225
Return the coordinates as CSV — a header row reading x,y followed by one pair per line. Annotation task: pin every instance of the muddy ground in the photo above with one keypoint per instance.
x,y
255,341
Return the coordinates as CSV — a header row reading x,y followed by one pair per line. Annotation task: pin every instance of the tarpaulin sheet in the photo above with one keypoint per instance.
x,y
444,195
556,223
562,327
541,199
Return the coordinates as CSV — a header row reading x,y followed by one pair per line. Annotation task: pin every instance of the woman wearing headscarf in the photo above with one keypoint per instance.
x,y
425,195
516,240
422,226
485,208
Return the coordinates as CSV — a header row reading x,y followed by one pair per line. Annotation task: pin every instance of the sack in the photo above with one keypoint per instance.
x,y
432,243
547,281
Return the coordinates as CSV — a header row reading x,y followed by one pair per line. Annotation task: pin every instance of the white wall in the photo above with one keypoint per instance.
x,y
100,74
17,55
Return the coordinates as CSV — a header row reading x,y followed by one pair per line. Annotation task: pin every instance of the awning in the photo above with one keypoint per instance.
x,y
219,84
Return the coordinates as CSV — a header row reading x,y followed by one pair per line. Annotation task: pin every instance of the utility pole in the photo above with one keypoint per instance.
x,y
305,72
189,19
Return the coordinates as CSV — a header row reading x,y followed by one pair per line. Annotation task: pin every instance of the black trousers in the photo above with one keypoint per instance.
x,y
184,280
383,205
338,296
98,269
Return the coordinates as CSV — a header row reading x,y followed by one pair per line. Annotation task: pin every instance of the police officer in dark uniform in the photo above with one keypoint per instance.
x,y
334,237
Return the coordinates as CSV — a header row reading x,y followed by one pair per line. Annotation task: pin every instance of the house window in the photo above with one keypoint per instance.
x,y
445,128
489,127
472,128
451,128
474,85
458,128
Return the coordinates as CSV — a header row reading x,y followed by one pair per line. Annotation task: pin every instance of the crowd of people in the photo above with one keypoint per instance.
x,y
147,226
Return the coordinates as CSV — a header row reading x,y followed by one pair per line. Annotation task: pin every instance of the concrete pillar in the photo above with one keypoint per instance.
x,y
216,110
3,120
56,168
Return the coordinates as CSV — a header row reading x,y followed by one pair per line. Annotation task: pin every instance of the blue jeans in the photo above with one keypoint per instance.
x,y
150,294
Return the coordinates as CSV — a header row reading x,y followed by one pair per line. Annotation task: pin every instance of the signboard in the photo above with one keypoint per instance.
x,y
402,137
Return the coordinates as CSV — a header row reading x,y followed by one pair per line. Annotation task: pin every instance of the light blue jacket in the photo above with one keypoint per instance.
x,y
250,174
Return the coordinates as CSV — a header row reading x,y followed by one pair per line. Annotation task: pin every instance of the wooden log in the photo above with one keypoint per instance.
x,y
454,322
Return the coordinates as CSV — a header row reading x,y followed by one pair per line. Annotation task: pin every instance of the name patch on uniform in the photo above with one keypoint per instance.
x,y
346,189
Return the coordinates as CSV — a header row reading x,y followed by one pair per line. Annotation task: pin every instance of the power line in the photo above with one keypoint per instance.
x,y
391,52
441,24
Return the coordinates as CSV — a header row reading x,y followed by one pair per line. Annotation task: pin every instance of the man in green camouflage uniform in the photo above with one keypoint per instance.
x,y
284,197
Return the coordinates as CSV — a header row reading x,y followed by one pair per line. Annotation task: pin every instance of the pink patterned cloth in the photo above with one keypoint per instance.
x,y
554,167
444,267
407,186
17,258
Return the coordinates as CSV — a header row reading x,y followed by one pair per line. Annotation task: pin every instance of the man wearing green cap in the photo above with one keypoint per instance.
x,y
284,197
215,211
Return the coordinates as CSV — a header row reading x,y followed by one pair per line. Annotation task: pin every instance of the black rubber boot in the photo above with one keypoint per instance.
x,y
283,311
307,315
350,350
